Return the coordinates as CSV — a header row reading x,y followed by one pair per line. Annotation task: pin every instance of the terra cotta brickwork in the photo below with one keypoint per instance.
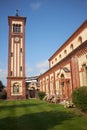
x,y
67,66
16,87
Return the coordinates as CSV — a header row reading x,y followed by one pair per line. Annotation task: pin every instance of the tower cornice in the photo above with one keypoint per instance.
x,y
16,18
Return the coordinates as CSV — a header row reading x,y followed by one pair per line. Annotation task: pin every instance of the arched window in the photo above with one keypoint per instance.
x,y
80,40
47,80
21,68
71,47
11,73
51,78
65,52
57,76
62,75
60,56
16,88
16,28
11,54
62,81
52,62
21,50
55,59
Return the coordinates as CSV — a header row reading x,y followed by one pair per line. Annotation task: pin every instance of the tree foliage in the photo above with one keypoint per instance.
x,y
1,86
79,98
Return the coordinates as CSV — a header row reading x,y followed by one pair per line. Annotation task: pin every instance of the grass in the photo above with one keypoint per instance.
x,y
38,115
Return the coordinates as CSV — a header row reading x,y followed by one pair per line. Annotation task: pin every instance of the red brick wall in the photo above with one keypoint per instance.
x,y
75,72
11,97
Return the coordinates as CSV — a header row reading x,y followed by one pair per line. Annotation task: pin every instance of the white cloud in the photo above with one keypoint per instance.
x,y
29,69
38,69
35,5
3,73
42,66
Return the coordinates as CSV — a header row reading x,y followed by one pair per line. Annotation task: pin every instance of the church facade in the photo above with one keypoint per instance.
x,y
67,66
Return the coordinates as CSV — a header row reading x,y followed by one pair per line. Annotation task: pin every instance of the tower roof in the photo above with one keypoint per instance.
x,y
16,18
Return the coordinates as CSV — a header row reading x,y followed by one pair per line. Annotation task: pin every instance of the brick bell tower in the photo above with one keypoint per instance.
x,y
16,87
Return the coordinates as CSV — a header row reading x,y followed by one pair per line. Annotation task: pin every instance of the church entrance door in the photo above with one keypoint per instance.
x,y
32,92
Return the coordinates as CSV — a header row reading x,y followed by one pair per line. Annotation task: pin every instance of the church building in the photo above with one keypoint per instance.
x,y
67,66
16,86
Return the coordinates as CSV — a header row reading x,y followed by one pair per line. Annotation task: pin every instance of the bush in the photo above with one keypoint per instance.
x,y
41,95
79,98
3,95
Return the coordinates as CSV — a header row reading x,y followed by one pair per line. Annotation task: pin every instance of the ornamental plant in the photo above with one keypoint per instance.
x,y
41,95
79,98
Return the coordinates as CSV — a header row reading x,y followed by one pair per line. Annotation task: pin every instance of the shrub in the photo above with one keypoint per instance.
x,y
79,98
41,95
3,95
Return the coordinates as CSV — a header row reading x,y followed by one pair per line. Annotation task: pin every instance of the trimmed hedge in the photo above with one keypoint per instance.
x,y
79,98
41,95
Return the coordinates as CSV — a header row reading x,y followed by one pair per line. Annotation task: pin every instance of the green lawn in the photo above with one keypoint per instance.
x,y
39,115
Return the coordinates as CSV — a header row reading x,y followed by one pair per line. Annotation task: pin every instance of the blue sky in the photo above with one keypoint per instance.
x,y
49,24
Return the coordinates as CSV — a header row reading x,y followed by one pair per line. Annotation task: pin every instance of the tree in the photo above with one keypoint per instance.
x,y
1,86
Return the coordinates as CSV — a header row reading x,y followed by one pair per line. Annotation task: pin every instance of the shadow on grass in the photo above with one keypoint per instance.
x,y
35,121
15,105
